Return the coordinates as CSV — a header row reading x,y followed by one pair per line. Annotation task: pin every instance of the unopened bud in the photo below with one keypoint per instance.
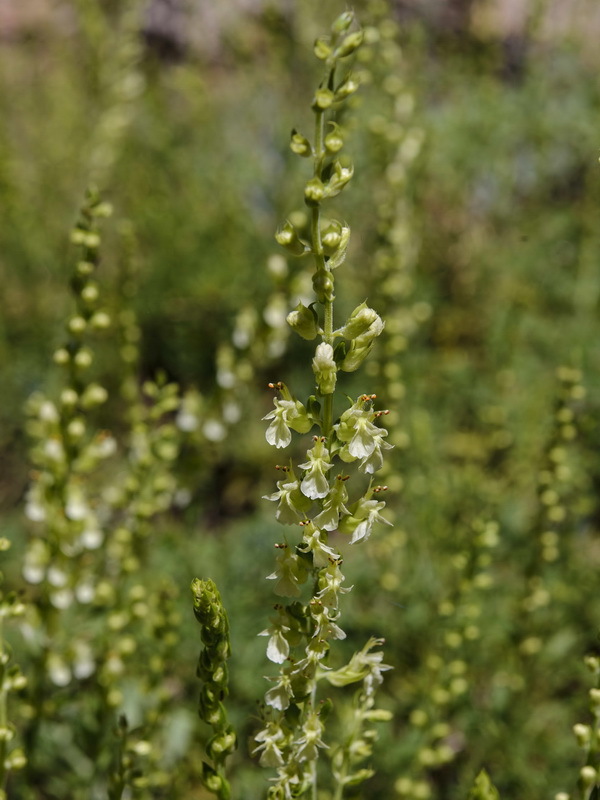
x,y
100,320
314,191
324,368
83,358
333,140
360,321
288,237
323,99
77,325
342,23
350,43
322,49
345,89
323,286
300,145
304,321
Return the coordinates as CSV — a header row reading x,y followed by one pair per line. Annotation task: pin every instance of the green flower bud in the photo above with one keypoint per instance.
x,y
100,320
77,325
342,23
325,368
300,145
332,237
323,99
350,43
83,358
94,395
360,321
314,191
84,268
304,321
583,734
322,49
323,285
89,293
76,428
587,777
61,356
346,88
340,177
334,140
288,237
339,256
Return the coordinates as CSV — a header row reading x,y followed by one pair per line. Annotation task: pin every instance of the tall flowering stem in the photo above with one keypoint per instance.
x,y
317,495
212,671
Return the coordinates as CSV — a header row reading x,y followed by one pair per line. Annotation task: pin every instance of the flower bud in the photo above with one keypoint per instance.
x,y
89,293
350,43
314,191
100,320
300,145
322,49
324,368
288,237
77,325
582,734
334,140
342,23
346,88
587,777
323,285
360,321
83,358
340,177
61,356
332,237
304,321
323,99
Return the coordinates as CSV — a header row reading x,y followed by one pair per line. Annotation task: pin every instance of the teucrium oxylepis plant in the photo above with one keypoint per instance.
x,y
314,494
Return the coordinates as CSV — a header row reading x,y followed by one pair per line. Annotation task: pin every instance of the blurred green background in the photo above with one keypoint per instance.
x,y
474,213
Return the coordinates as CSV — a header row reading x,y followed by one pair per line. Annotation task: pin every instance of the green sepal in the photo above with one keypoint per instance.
x,y
325,709
338,258
339,352
313,409
359,777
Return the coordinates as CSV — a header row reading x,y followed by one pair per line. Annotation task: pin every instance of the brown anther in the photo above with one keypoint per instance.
x,y
323,438
373,397
346,477
315,438
278,467
271,385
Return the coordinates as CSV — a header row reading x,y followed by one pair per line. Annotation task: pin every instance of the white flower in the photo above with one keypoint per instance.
x,y
278,648
315,483
270,741
279,696
289,574
322,553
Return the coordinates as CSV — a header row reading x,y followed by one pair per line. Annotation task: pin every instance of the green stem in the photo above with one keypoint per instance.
x,y
320,263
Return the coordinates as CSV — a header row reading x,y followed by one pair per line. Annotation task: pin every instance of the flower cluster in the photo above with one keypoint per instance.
x,y
314,494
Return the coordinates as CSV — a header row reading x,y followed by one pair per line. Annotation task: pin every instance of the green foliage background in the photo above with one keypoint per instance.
x,y
503,205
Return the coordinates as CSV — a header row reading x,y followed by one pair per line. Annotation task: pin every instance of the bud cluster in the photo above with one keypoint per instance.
x,y
314,495
92,521
11,680
588,739
213,673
